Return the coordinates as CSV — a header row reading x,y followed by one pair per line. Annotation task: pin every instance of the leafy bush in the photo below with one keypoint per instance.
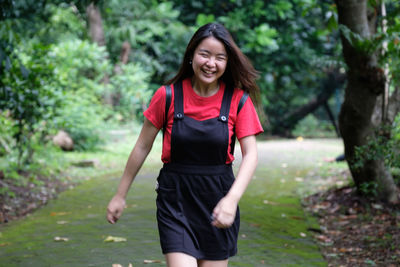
x,y
29,97
310,126
157,37
386,146
131,88
6,140
80,64
80,69
82,117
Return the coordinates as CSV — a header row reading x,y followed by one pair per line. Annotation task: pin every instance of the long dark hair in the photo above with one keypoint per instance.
x,y
239,72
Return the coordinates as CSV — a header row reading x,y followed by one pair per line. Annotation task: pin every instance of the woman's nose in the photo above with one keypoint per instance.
x,y
211,62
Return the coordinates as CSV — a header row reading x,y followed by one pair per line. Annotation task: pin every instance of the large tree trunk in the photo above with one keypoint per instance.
x,y
366,81
95,24
392,110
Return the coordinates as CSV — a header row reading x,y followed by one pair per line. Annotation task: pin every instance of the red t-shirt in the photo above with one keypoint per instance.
x,y
203,108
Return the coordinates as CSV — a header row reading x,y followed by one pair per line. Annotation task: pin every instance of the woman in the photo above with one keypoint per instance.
x,y
197,194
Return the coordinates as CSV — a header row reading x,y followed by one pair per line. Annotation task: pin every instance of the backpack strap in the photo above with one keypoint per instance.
x,y
242,101
240,105
168,96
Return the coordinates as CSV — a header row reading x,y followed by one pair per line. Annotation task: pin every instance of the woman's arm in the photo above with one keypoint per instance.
x,y
136,158
225,211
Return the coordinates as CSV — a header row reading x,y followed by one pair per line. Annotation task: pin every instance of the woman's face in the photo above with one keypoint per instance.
x,y
209,61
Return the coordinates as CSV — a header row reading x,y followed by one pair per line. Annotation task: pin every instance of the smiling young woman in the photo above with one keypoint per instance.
x,y
197,192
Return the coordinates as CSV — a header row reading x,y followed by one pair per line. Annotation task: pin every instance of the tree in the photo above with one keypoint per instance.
x,y
365,82
288,41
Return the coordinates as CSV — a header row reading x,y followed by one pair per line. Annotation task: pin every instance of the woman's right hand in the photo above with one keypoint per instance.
x,y
115,208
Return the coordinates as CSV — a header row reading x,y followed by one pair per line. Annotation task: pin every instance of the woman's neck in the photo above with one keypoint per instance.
x,y
205,90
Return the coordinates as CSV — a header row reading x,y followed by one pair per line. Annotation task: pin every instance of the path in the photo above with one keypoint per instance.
x,y
273,229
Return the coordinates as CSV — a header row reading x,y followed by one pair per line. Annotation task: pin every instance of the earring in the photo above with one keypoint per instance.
x,y
190,62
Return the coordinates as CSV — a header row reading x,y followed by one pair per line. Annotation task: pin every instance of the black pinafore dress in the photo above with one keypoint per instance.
x,y
190,187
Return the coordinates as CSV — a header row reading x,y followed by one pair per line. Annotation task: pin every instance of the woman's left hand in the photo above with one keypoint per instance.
x,y
224,213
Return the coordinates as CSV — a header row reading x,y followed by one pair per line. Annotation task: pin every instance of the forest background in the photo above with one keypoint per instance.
x,y
86,67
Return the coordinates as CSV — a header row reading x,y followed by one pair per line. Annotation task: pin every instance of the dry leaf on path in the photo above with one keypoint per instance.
x,y
115,239
152,261
61,239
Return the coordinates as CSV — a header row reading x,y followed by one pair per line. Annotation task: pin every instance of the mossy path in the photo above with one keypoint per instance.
x,y
273,227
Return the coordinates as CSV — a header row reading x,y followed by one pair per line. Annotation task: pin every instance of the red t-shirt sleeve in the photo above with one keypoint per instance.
x,y
155,113
247,122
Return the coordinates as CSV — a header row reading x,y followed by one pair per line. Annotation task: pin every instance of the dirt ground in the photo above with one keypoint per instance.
x,y
354,231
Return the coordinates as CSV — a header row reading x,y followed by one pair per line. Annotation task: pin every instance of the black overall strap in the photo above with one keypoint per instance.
x,y
225,105
168,96
178,103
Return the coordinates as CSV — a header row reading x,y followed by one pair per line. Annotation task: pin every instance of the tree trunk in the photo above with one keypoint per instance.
x,y
392,110
95,24
366,81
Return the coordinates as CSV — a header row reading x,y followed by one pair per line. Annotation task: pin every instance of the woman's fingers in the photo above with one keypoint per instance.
x,y
114,210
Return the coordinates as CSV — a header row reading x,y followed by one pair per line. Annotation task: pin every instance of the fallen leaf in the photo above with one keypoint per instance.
x,y
114,239
324,238
4,244
116,265
299,179
61,239
62,222
151,261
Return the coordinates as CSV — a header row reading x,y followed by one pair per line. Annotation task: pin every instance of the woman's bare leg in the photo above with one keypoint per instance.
x,y
178,259
207,263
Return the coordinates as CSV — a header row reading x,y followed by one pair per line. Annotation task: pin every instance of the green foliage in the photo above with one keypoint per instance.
x,y
284,39
369,189
385,146
156,36
363,44
6,133
28,96
64,23
310,126
80,64
80,68
131,88
82,117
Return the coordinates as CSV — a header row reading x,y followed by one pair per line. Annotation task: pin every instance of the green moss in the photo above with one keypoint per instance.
x,y
273,224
